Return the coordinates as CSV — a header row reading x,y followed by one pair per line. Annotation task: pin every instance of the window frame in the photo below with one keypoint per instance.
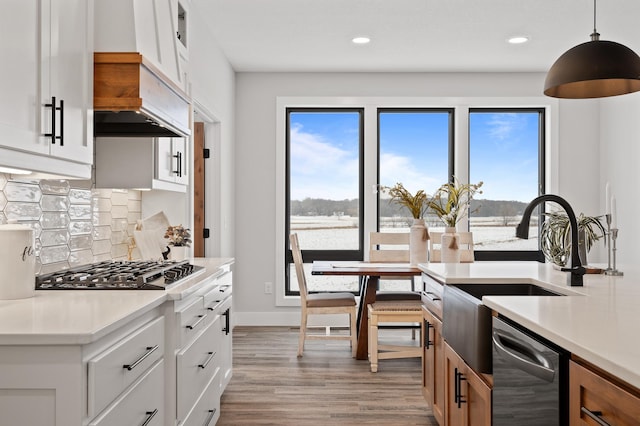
x,y
322,255
516,255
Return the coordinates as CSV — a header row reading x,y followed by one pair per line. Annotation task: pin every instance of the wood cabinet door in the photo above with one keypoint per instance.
x,y
467,396
433,366
592,396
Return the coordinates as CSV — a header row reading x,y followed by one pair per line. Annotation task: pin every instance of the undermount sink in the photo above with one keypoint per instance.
x,y
466,322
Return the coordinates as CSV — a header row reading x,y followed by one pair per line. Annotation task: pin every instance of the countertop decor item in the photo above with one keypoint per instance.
x,y
451,201
555,236
178,236
419,233
17,256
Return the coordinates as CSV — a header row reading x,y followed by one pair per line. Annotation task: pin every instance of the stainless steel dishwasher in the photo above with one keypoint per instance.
x,y
530,378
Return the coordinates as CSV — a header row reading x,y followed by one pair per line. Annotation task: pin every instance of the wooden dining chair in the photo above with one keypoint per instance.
x,y
393,247
465,243
321,303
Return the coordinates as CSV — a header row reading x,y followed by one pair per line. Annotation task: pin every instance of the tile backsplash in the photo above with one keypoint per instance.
x,y
73,224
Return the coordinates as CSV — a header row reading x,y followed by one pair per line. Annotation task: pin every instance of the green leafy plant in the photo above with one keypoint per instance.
x,y
416,204
451,201
555,235
178,236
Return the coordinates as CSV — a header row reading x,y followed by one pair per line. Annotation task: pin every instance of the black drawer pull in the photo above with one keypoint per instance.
x,y
457,398
432,296
595,416
150,350
212,413
195,324
427,336
207,361
150,415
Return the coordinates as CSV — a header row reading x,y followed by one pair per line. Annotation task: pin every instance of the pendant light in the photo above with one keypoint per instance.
x,y
595,69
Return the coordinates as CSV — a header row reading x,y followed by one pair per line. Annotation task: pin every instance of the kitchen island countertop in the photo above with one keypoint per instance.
x,y
597,322
72,317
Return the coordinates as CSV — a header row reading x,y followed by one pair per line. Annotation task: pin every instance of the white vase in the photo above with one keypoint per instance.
x,y
450,247
418,237
178,253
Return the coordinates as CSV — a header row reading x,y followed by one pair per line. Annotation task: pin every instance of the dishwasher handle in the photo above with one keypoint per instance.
x,y
520,354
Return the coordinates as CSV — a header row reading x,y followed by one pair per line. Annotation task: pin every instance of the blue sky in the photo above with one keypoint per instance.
x,y
413,150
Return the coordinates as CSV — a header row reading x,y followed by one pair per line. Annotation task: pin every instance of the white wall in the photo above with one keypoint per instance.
x,y
256,140
620,157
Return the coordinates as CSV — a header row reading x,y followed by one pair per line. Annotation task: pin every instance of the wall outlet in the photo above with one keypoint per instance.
x,y
268,288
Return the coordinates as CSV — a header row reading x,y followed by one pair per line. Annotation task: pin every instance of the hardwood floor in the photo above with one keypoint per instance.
x,y
271,386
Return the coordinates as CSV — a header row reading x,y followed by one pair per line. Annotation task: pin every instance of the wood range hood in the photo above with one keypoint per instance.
x,y
131,97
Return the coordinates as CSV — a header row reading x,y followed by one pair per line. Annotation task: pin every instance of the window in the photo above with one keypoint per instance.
x,y
416,149
506,153
324,191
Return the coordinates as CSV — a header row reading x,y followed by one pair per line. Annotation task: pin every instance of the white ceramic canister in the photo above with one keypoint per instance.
x,y
17,262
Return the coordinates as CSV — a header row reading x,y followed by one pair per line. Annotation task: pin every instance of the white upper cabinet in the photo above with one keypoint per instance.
x,y
172,160
48,48
148,27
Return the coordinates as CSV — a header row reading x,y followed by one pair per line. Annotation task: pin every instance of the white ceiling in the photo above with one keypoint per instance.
x,y
410,35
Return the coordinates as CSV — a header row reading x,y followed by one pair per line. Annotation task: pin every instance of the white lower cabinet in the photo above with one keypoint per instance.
x,y
206,412
141,404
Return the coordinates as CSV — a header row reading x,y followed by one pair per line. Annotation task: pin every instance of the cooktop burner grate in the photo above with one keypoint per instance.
x,y
118,275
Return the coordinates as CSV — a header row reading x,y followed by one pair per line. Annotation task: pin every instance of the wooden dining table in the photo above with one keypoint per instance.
x,y
371,274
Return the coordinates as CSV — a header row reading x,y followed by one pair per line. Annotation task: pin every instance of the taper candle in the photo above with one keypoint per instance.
x,y
607,198
614,213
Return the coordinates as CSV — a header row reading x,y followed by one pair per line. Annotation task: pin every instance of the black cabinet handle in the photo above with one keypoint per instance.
x,y
195,324
427,335
150,350
434,297
207,421
458,378
177,170
150,415
227,324
207,361
179,164
55,108
595,416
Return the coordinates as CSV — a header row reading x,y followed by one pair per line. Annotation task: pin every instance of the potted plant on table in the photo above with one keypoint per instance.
x,y
417,205
179,239
555,237
451,204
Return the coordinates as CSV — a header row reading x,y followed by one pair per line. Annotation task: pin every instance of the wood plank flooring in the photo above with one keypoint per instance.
x,y
271,386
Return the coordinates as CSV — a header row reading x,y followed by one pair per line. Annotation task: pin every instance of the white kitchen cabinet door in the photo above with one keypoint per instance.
x,y
48,47
71,78
172,165
20,109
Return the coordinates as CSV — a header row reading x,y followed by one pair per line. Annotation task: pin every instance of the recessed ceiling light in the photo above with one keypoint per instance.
x,y
518,39
361,40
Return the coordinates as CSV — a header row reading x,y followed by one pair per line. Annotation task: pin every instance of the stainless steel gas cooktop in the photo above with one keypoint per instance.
x,y
118,275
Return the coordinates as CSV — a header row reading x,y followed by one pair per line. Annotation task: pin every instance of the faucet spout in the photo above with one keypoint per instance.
x,y
522,231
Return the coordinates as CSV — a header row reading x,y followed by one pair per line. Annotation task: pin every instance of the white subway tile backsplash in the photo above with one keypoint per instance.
x,y
73,224
18,191
55,186
54,203
54,220
22,211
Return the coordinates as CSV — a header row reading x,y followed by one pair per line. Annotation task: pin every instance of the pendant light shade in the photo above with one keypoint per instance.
x,y
595,69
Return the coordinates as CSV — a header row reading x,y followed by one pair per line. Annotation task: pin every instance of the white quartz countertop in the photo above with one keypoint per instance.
x,y
598,322
71,317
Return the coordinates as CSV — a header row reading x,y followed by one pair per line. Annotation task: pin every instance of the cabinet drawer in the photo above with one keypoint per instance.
x,y
142,404
196,365
191,320
591,395
432,295
113,370
207,410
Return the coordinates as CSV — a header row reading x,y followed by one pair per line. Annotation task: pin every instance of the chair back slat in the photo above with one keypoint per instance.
x,y
389,247
297,260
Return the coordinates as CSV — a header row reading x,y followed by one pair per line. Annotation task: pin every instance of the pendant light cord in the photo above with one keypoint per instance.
x,y
594,35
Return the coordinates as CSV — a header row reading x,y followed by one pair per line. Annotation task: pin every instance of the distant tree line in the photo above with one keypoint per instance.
x,y
322,207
